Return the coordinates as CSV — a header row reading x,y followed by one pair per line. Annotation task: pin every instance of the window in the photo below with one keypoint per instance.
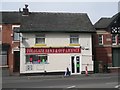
x,y
74,39
114,39
119,39
0,28
16,36
100,39
40,39
4,58
36,59
0,34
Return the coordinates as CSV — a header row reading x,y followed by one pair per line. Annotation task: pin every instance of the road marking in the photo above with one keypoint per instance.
x,y
117,86
71,87
112,83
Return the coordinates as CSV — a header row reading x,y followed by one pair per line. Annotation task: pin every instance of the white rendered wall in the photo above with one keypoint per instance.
x,y
57,62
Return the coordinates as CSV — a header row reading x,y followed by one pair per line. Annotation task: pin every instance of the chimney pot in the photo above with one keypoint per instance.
x,y
26,5
26,10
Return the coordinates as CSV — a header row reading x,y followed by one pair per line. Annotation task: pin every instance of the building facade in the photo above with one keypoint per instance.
x,y
10,41
56,54
107,43
51,42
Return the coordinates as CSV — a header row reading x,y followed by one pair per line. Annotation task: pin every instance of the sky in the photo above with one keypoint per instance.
x,y
94,9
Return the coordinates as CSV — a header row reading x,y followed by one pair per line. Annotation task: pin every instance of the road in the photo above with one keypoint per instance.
x,y
59,81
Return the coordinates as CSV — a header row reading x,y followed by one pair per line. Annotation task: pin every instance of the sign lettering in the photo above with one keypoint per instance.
x,y
52,50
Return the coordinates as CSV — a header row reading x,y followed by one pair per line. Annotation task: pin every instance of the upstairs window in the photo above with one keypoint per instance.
x,y
40,39
16,36
74,39
114,39
119,39
100,39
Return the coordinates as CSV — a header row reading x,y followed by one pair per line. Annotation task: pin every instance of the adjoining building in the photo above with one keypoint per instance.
x,y
10,51
51,42
107,43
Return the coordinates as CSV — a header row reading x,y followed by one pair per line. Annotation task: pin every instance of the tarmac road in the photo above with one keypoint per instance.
x,y
59,81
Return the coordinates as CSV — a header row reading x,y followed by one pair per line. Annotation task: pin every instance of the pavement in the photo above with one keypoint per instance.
x,y
17,76
6,77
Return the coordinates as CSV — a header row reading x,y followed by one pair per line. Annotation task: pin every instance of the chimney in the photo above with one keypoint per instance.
x,y
20,10
26,10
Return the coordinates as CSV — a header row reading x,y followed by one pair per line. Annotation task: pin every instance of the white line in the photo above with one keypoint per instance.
x,y
112,83
117,86
71,87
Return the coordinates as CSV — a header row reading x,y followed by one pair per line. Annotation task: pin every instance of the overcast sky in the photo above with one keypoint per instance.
x,y
95,10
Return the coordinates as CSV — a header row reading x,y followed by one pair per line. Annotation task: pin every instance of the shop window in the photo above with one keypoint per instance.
x,y
40,39
114,39
74,39
36,59
100,39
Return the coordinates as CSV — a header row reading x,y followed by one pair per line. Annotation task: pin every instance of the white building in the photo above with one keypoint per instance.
x,y
51,42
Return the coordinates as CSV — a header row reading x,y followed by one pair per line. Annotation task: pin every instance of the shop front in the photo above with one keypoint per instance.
x,y
41,60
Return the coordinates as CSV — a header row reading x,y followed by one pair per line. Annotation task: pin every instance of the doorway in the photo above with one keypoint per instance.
x,y
16,61
75,65
115,57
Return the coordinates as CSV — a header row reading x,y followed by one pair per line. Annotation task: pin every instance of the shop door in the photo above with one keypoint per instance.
x,y
16,61
75,64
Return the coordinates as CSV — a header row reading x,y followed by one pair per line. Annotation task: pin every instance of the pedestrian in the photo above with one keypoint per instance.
x,y
67,72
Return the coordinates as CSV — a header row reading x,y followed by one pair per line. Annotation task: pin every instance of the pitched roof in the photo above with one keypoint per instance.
x,y
10,17
56,22
104,23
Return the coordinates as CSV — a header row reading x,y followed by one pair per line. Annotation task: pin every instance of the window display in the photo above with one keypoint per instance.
x,y
36,59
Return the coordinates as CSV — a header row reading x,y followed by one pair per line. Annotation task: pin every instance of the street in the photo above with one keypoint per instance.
x,y
59,81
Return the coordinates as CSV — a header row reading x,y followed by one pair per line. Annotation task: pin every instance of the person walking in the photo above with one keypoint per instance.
x,y
67,72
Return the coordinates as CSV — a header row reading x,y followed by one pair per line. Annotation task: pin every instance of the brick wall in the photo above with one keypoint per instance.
x,y
104,54
6,34
7,37
107,40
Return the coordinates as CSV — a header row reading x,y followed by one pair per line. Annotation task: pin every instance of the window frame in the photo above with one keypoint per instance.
x,y
74,36
40,36
0,28
118,39
115,39
100,41
18,35
0,34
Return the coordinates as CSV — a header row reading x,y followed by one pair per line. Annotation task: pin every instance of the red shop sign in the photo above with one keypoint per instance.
x,y
52,50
